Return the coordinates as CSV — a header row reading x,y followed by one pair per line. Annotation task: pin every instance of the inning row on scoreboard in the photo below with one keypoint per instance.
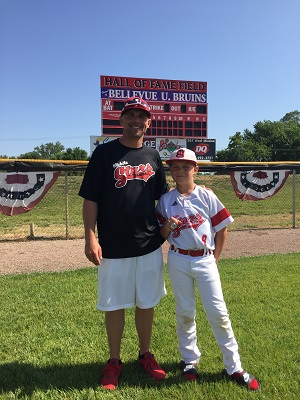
x,y
165,124
162,128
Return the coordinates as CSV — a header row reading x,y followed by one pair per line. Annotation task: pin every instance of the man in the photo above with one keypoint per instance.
x,y
122,181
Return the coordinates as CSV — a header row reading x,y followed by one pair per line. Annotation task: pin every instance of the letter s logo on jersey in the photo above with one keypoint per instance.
x,y
126,173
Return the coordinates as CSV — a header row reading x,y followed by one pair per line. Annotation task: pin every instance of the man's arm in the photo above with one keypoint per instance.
x,y
93,250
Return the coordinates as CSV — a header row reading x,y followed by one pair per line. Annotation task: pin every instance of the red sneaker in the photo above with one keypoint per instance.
x,y
150,365
245,379
111,373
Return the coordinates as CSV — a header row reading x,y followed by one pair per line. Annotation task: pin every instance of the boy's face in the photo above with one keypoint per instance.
x,y
183,171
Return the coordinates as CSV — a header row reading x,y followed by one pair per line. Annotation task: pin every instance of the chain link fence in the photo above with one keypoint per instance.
x,y
59,214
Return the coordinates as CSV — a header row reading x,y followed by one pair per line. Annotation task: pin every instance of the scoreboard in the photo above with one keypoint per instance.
x,y
178,108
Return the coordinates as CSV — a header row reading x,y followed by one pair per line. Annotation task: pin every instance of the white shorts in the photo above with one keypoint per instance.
x,y
128,282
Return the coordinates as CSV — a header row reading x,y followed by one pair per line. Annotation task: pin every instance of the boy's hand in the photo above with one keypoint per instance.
x,y
169,226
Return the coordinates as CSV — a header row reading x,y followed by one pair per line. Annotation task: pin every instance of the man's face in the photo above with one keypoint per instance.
x,y
135,123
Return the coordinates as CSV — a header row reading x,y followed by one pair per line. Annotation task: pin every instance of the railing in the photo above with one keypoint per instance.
x,y
59,214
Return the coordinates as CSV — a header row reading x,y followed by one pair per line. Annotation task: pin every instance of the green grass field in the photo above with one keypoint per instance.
x,y
53,341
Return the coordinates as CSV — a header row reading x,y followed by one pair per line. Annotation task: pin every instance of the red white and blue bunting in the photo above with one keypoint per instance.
x,y
21,191
257,185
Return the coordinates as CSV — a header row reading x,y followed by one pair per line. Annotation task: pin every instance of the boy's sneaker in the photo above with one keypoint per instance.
x,y
244,379
111,373
150,365
188,371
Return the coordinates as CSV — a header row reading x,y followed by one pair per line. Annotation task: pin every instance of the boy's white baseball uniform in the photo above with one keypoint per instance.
x,y
201,215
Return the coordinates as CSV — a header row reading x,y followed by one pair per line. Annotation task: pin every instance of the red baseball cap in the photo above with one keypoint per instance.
x,y
136,102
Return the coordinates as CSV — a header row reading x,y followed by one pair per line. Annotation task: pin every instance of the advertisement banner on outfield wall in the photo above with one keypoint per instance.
x,y
205,149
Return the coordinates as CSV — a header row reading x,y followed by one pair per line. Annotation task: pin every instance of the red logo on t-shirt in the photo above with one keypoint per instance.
x,y
126,173
192,221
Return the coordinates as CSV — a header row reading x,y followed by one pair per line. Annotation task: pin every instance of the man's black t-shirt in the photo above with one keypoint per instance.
x,y
125,182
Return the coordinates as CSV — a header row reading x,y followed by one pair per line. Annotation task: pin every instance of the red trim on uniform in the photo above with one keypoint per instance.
x,y
220,217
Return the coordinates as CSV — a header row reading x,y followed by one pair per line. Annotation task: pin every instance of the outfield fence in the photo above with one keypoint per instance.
x,y
59,214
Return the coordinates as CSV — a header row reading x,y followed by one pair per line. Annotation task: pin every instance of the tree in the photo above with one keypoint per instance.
x,y
243,148
270,141
55,151
291,116
31,155
50,151
75,154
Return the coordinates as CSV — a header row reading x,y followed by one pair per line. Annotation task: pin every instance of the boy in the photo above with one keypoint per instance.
x,y
194,222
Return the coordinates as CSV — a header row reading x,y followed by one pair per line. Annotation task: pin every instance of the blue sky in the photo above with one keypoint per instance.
x,y
54,51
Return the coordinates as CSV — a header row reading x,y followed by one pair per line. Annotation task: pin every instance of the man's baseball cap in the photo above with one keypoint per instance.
x,y
136,102
183,154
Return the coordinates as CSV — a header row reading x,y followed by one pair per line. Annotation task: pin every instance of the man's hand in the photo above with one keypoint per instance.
x,y
93,250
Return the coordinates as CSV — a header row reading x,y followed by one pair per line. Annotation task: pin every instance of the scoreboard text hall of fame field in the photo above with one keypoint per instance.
x,y
178,109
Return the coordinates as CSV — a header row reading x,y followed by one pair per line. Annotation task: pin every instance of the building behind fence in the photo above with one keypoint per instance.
x,y
59,214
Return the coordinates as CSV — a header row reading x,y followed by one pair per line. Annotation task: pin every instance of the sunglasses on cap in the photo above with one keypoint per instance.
x,y
136,102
